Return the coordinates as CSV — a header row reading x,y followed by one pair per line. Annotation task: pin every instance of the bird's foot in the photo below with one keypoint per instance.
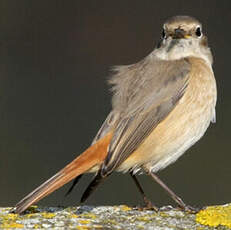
x,y
148,206
190,209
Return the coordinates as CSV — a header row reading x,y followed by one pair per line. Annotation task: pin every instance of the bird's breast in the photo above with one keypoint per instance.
x,y
185,124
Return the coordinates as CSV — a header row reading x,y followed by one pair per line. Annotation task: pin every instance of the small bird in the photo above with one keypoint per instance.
x,y
161,106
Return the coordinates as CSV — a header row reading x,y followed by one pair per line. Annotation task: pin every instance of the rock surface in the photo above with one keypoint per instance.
x,y
116,217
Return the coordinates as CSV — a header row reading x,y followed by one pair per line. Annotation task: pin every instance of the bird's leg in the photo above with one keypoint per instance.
x,y
76,180
176,198
148,203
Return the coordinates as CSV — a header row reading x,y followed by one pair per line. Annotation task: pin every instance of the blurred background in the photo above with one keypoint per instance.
x,y
55,57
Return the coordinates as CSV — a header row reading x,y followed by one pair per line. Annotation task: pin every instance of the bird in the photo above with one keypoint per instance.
x,y
161,106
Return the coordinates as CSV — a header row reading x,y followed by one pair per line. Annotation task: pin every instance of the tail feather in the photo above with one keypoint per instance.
x,y
98,179
92,156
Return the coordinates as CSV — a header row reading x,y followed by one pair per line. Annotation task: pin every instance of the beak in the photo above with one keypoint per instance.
x,y
180,33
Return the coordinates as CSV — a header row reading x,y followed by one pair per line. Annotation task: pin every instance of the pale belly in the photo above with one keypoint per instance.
x,y
184,126
175,136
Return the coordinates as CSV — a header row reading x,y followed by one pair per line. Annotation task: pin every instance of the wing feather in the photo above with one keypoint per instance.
x,y
144,94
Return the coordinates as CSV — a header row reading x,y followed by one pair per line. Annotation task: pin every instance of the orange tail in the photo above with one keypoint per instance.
x,y
92,156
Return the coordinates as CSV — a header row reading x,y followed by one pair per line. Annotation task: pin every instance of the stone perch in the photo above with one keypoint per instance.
x,y
116,217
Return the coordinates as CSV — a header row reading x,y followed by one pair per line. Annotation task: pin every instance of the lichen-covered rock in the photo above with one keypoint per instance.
x,y
116,217
215,216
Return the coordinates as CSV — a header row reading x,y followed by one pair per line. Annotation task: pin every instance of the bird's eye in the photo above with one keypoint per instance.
x,y
163,34
198,31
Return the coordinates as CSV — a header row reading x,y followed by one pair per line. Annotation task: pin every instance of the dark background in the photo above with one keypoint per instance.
x,y
55,57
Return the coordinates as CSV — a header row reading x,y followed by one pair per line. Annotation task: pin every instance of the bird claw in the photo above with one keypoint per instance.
x,y
190,209
148,206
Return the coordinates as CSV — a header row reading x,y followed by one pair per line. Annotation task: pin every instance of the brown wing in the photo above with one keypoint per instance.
x,y
144,93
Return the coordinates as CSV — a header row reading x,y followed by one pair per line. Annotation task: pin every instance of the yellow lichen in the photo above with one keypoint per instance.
x,y
11,225
84,221
145,218
10,216
215,215
73,216
125,208
37,226
47,215
9,221
30,215
163,214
